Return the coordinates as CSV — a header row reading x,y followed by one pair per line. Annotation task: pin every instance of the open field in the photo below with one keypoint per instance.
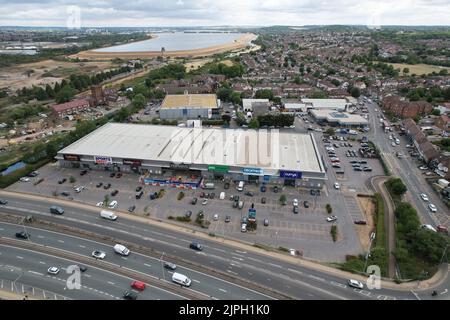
x,y
46,72
196,64
418,69
238,44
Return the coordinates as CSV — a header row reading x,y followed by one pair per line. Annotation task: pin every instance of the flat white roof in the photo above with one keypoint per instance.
x,y
291,105
326,103
247,103
270,150
339,117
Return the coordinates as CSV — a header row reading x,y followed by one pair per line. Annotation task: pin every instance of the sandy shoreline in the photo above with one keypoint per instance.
x,y
239,43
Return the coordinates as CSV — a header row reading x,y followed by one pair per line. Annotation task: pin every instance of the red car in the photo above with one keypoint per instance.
x,y
118,175
138,285
442,229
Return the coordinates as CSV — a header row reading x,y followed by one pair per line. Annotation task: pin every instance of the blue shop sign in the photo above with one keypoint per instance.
x,y
290,174
253,171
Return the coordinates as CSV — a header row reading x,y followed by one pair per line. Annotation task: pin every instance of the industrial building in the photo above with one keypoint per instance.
x,y
334,104
184,157
190,106
338,118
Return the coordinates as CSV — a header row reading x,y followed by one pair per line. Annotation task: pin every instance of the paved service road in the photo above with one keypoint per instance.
x,y
30,268
292,279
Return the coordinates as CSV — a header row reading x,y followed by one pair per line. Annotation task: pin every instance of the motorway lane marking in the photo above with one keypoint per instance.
x,y
195,280
124,258
111,283
241,251
1,229
296,271
19,257
275,265
87,275
60,241
235,264
41,262
316,277
222,290
240,259
35,272
81,246
232,272
148,265
41,237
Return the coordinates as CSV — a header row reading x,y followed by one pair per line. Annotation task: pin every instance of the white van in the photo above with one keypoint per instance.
x,y
108,215
222,195
208,185
181,279
121,249
240,186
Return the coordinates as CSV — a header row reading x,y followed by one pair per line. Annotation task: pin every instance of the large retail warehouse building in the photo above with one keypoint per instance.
x,y
186,157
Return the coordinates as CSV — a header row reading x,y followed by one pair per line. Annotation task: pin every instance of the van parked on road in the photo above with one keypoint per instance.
x,y
208,185
121,249
240,186
108,215
181,279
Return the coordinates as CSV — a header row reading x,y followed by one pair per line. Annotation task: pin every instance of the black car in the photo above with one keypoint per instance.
x,y
295,209
194,201
248,193
188,214
357,169
212,195
306,204
107,186
83,172
227,219
112,174
22,235
196,246
33,174
83,268
114,192
62,181
139,194
263,189
263,200
275,189
99,184
129,295
226,185
3,202
138,189
65,193
131,209
153,196
360,222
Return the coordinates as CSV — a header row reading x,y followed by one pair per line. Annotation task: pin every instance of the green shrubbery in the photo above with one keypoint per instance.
x,y
334,232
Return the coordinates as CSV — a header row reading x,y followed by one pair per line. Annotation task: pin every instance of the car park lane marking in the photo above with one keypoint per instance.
x,y
19,257
35,272
148,265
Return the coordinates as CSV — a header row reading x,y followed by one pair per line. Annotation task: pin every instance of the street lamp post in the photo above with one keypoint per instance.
x,y
162,266
368,252
443,253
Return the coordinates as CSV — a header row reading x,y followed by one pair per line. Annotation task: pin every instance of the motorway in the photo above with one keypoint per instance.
x,y
292,279
407,170
30,267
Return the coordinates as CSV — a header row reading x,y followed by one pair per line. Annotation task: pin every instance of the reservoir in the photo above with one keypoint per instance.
x,y
176,41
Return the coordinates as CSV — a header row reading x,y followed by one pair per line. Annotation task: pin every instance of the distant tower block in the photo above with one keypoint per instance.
x,y
98,96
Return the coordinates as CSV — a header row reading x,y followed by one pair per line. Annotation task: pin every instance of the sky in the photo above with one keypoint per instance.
x,y
157,13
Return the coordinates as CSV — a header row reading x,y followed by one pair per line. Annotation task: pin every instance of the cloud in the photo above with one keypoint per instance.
x,y
148,13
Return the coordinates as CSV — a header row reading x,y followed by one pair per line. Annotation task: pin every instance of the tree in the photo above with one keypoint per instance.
x,y
355,92
254,123
50,91
330,132
65,94
139,101
264,94
405,70
283,198
436,112
397,186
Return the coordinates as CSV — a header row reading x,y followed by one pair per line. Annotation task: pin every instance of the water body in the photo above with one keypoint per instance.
x,y
14,167
176,41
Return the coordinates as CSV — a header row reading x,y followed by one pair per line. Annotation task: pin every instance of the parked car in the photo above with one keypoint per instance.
x,y
363,222
441,228
119,175
112,174
194,200
99,184
263,200
107,186
263,188
226,185
61,181
275,189
306,204
188,214
56,210
113,204
424,197
249,193
139,195
64,193
266,222
244,227
132,208
196,246
331,218
295,202
138,189
115,192
337,186
79,189
227,219
216,217
204,201
295,209
83,172
432,207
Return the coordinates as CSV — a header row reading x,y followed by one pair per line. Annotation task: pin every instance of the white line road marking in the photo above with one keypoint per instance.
x,y
316,278
232,272
87,275
41,237
241,251
124,258
81,246
234,264
296,271
148,265
19,257
195,280
36,273
240,259
111,283
275,265
337,284
61,241
222,290
41,262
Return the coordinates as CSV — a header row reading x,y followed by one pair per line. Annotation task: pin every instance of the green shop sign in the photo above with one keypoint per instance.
x,y
218,168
